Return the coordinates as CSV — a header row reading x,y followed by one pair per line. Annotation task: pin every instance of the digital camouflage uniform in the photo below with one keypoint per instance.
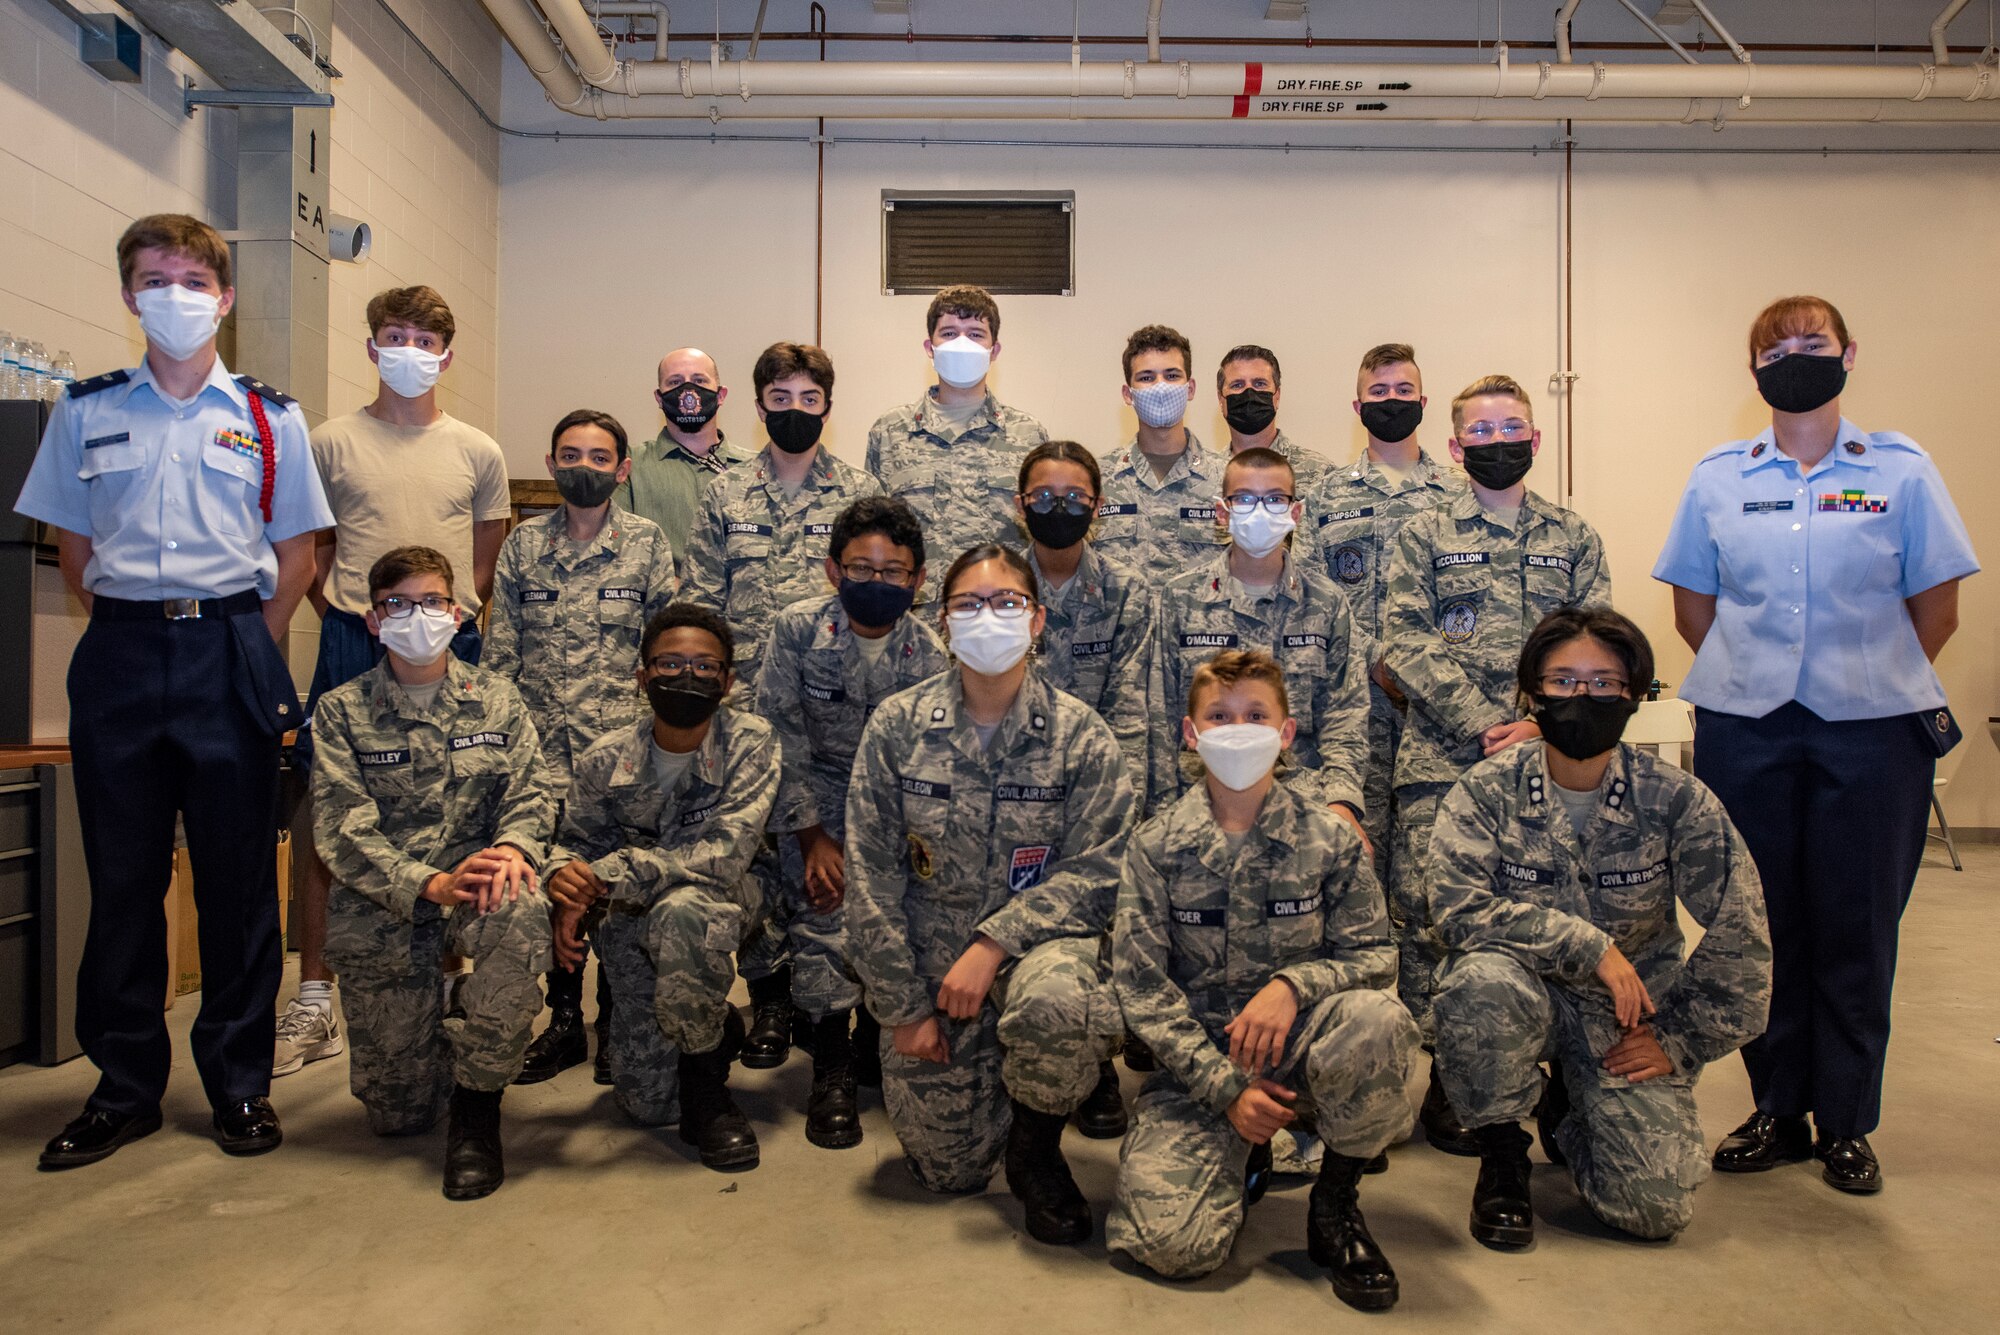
x,y
1355,514
402,792
1527,905
1304,624
959,480
755,551
1202,927
1158,526
1464,592
1020,842
1097,644
565,626
818,691
682,893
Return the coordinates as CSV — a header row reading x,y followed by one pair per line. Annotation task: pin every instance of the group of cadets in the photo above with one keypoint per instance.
x,y
988,760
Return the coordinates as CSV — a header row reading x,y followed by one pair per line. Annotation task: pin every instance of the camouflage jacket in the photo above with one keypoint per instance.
x,y
818,690
1509,872
959,480
1355,514
1160,526
947,840
1463,595
1097,644
644,842
401,792
1202,927
565,626
1305,625
754,551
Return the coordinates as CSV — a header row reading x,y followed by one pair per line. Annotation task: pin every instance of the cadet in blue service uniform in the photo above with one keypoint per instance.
x,y
572,591
1557,867
830,661
984,824
1815,571
186,502
1157,506
1469,579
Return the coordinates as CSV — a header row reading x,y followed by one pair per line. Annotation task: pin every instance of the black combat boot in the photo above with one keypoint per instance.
x,y
1441,1125
1551,1112
867,1049
472,1163
1139,1057
1038,1175
1337,1237
832,1121
1102,1116
1503,1216
601,1065
560,1046
770,1040
1257,1174
710,1119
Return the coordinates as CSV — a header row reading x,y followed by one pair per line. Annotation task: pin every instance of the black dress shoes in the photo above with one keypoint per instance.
x,y
1763,1143
1849,1165
96,1135
248,1127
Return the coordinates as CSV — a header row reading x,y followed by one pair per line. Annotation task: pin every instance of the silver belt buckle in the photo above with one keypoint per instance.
x,y
182,609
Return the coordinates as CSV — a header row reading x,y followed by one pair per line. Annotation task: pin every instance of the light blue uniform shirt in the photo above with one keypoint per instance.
x,y
168,492
1809,572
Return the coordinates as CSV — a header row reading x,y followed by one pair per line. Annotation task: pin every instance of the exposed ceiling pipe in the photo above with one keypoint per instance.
x,y
577,32
638,9
1153,29
1939,51
523,28
1563,16
1735,47
756,31
1657,31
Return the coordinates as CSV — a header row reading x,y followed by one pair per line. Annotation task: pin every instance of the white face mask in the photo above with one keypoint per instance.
x,y
1239,755
409,372
960,362
177,321
989,643
420,638
1259,532
1161,405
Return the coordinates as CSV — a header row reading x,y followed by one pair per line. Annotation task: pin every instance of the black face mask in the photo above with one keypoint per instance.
x,y
1392,419
794,430
1058,528
1249,411
689,407
1500,465
685,701
586,488
1581,727
1799,382
874,602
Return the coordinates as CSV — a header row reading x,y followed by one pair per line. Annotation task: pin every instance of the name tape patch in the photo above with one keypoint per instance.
x,y
1342,516
1624,880
699,814
1089,648
472,739
1206,513
372,759
926,788
621,595
1449,559
118,439
1765,507
1539,561
735,526
1523,875
1199,917
529,596
829,694
1208,640
1292,908
1030,792
819,530
1307,642
1110,508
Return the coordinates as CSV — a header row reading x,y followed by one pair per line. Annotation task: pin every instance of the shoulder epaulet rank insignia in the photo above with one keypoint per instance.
x,y
258,387
83,388
1855,447
1757,450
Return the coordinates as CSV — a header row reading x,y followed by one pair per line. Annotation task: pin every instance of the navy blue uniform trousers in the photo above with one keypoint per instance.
x,y
1835,815
172,717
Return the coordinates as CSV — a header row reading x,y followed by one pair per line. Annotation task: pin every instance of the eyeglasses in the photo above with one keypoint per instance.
x,y
396,606
1007,603
862,573
673,665
1246,502
1598,688
1481,433
1044,501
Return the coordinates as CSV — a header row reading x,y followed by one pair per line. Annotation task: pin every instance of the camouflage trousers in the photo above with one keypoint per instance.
x,y
1378,792
1636,1151
1048,1025
1418,950
405,1050
670,972
1179,1203
813,943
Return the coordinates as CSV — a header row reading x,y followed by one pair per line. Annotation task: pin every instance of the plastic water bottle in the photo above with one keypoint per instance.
x,y
37,365
64,375
10,366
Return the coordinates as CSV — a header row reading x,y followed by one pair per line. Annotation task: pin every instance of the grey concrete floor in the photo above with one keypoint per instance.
x,y
605,1228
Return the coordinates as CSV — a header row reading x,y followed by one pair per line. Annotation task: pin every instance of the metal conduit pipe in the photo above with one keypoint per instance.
x,y
1939,51
1153,30
1563,16
781,107
639,9
586,51
522,26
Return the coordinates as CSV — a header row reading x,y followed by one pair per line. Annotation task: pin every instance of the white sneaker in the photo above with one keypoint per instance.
x,y
305,1034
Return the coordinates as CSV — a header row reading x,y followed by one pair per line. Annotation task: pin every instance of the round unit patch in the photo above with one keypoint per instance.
x,y
1459,621
1350,564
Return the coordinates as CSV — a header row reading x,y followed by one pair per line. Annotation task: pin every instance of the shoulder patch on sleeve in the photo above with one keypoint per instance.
x,y
256,386
84,388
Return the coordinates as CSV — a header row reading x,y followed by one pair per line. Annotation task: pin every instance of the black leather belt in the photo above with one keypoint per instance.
x,y
174,609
